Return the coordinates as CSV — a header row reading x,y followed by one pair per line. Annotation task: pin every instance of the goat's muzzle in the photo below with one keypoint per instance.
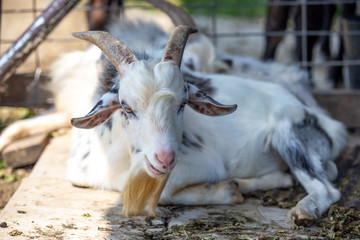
x,y
167,160
164,163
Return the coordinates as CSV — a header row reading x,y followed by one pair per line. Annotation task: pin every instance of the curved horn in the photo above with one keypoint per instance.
x,y
176,44
177,14
115,50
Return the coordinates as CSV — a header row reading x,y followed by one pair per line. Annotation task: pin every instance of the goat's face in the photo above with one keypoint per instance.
x,y
151,96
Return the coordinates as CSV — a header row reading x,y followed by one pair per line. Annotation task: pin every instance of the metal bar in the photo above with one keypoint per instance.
x,y
37,57
214,21
330,63
0,20
282,33
276,3
33,36
304,55
233,34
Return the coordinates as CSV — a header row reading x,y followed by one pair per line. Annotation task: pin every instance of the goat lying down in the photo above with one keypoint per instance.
x,y
149,119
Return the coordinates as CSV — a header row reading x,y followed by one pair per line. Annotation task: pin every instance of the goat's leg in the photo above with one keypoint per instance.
x,y
321,194
270,181
276,20
306,148
229,191
225,192
27,127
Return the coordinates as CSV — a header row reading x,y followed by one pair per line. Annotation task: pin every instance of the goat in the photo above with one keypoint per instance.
x,y
292,78
141,127
217,158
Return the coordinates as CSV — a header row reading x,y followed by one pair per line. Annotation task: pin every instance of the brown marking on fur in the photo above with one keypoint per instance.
x,y
210,107
140,191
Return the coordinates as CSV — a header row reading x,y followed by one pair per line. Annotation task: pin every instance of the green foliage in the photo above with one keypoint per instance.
x,y
9,115
226,8
10,178
2,163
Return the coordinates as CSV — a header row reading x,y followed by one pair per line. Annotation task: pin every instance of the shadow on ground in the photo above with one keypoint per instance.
x,y
262,216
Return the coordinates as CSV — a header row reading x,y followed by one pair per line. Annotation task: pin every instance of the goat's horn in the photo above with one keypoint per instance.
x,y
177,14
116,51
176,44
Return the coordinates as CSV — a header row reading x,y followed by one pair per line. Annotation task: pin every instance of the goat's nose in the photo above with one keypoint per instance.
x,y
166,158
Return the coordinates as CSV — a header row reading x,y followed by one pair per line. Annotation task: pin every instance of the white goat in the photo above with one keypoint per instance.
x,y
141,128
217,158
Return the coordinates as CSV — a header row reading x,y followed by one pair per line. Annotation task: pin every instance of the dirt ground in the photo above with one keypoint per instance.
x,y
6,191
10,179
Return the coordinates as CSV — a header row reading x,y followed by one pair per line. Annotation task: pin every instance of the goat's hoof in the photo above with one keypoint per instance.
x,y
301,217
236,195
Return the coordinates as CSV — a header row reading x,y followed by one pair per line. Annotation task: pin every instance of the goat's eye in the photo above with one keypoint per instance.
x,y
128,109
130,112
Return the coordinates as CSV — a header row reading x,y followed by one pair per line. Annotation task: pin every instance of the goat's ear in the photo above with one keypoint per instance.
x,y
108,104
202,103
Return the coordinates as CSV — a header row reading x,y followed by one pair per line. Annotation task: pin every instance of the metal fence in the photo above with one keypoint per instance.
x,y
34,8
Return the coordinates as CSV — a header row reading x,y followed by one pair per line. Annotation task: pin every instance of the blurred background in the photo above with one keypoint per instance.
x,y
262,29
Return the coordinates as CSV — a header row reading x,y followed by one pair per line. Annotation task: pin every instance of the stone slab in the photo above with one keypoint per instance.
x,y
25,151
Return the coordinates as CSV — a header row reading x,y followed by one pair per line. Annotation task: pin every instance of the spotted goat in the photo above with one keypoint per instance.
x,y
140,128
150,119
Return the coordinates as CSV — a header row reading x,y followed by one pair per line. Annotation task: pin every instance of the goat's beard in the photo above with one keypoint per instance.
x,y
142,191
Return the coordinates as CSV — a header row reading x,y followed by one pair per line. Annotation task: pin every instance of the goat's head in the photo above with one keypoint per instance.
x,y
151,96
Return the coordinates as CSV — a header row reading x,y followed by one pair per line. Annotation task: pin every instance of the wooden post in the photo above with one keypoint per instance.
x,y
33,36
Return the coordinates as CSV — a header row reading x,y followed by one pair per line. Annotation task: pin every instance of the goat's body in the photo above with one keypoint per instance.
x,y
248,147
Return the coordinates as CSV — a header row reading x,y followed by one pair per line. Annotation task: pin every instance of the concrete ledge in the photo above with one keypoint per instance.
x,y
47,206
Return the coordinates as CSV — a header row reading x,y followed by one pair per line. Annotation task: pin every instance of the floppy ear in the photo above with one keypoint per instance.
x,y
202,103
108,104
